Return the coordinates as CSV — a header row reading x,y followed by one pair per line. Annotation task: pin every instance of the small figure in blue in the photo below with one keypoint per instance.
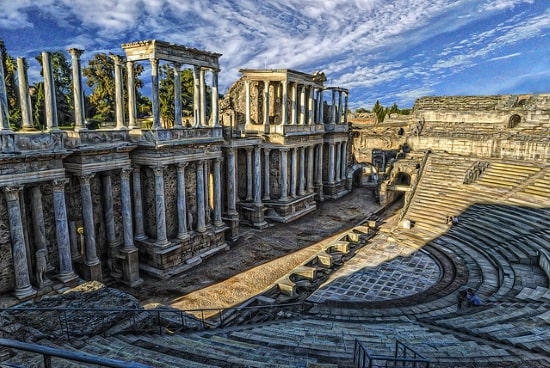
x,y
472,298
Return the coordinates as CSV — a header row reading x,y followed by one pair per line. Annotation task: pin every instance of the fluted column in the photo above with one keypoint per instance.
x,y
78,95
266,104
182,202
231,181
267,184
247,101
217,193
160,206
132,106
4,113
177,96
248,174
49,92
119,96
88,220
66,272
126,209
302,180
155,93
284,103
294,106
202,105
138,204
196,96
293,171
310,164
331,163
215,99
257,175
201,226
338,161
24,97
284,174
23,286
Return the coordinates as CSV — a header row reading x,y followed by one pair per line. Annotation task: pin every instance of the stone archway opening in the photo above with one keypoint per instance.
x,y
514,121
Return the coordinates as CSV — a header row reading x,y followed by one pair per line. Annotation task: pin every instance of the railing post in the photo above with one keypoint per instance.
x,y
47,361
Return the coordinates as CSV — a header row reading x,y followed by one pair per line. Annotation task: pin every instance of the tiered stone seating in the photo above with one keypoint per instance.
x,y
506,175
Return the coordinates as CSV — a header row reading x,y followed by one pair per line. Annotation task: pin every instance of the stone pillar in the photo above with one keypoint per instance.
x,y
333,108
24,97
248,174
257,178
23,288
266,106
201,226
160,207
215,100
339,118
302,105
217,193
302,180
294,106
284,174
207,186
319,164
110,232
310,164
119,96
343,160
66,272
126,209
247,101
78,95
182,202
337,169
91,258
321,112
331,163
177,96
311,113
196,96
345,108
37,213
132,106
138,204
49,92
231,180
155,93
4,113
293,171
267,184
284,103
202,105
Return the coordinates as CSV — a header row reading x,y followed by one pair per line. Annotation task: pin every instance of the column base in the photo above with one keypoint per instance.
x,y
130,267
232,221
253,214
92,272
25,293
67,278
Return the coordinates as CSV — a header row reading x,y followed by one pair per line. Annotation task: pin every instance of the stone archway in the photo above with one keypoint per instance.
x,y
514,121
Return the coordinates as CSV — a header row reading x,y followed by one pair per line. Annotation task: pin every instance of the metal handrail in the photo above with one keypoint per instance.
x,y
362,358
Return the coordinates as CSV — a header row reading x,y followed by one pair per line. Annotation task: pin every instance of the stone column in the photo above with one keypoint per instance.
x,y
333,108
126,209
319,163
266,105
78,96
66,272
37,213
160,207
4,113
248,173
339,118
132,106
267,184
338,161
215,100
293,171
88,220
202,105
177,96
284,103
321,112
24,97
182,202
284,174
302,105
201,226
294,107
49,92
302,180
310,164
345,108
231,180
311,113
331,163
343,160
119,96
217,193
155,93
110,232
23,288
196,96
138,204
247,101
257,175
207,187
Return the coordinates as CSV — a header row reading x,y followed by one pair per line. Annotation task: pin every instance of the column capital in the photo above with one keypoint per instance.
x,y
75,52
154,62
58,185
117,59
182,165
158,170
12,192
85,178
125,173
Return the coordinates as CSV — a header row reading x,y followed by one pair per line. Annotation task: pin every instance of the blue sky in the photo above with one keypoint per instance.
x,y
386,50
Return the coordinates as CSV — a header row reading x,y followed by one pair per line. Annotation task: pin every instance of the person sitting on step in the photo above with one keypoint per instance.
x,y
473,299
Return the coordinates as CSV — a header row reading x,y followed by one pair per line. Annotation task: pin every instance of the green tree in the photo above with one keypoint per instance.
x,y
379,111
10,71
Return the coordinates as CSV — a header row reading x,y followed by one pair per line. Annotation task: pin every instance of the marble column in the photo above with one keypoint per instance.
x,y
78,95
202,104
294,104
177,96
132,106
284,174
23,288
196,96
215,100
267,184
201,226
302,179
248,173
333,108
339,117
155,93
66,272
343,160
4,113
293,171
138,204
345,108
302,105
91,258
257,176
119,95
321,112
319,164
266,104
310,165
338,161
217,193
247,101
49,92
37,213
108,210
311,100
160,207
284,103
331,163
182,202
24,97
126,209
207,187
231,180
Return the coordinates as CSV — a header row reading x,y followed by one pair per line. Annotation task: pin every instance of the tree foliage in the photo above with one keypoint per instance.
x,y
10,71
